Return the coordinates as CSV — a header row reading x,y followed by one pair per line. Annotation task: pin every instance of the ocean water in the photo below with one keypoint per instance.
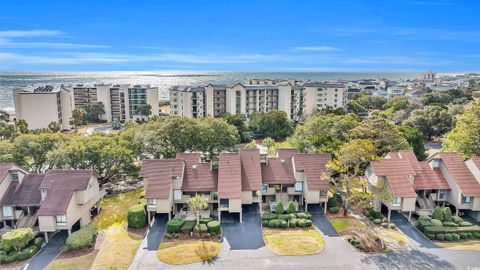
x,y
164,79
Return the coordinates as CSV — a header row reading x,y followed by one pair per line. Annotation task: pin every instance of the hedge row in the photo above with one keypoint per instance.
x,y
18,255
267,216
452,236
292,223
174,225
442,229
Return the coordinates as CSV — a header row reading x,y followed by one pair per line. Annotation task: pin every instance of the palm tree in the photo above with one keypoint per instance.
x,y
196,204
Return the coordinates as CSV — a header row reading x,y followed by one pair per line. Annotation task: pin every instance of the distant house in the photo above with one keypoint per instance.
x,y
396,91
56,200
416,94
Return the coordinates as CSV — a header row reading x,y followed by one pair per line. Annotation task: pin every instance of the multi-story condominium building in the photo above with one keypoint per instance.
x,y
56,200
41,105
257,96
444,179
240,179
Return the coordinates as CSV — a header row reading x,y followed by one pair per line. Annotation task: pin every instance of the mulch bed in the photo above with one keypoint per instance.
x,y
75,253
139,231
183,237
337,215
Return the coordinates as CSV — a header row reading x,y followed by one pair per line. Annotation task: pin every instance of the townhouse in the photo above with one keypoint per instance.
x,y
296,98
53,201
242,178
443,179
41,105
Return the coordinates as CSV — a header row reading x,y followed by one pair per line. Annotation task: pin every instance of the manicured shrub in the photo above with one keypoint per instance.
x,y
430,236
213,227
17,239
274,223
83,238
308,223
442,229
293,222
174,225
424,217
469,235
3,252
188,226
447,214
450,224
8,258
283,224
440,236
448,237
293,216
436,222
265,223
392,226
465,224
334,210
455,236
200,228
279,208
291,208
463,235
205,220
301,223
457,219
137,216
476,234
38,241
375,213
302,215
437,213
335,200
284,217
268,216
423,223
377,221
26,253
384,225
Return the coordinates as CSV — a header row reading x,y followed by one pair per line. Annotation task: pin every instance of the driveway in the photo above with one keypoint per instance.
x,y
321,222
48,253
146,257
245,235
407,228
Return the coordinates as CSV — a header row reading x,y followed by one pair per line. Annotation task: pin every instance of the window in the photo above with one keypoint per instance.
x,y
323,193
254,193
224,202
442,194
61,220
214,196
466,199
177,194
299,186
14,176
397,201
151,202
7,211
264,188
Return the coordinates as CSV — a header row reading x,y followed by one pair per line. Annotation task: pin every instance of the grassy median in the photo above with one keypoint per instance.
x,y
293,242
187,252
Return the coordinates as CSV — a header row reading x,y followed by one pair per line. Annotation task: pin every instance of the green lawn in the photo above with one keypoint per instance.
x,y
293,242
187,252
342,224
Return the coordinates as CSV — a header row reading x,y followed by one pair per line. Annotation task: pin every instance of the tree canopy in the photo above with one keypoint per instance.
x,y
430,120
274,124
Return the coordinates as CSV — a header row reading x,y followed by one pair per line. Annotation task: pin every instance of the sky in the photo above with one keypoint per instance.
x,y
240,35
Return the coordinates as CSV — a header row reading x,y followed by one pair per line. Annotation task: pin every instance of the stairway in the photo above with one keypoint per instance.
x,y
26,221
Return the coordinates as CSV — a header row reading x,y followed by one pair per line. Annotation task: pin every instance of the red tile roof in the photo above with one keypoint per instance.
x,y
410,156
198,176
251,170
61,185
313,166
460,173
429,178
229,176
160,174
279,170
396,170
27,193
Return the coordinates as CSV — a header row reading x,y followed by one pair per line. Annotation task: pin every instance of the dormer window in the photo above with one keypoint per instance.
x,y
14,175
175,177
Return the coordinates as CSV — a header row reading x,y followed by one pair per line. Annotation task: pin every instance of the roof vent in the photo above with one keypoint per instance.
x,y
282,161
194,166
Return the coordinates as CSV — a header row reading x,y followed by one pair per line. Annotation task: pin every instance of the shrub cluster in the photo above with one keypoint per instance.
x,y
213,227
188,226
10,250
205,220
200,228
17,239
137,216
174,226
83,238
373,213
445,227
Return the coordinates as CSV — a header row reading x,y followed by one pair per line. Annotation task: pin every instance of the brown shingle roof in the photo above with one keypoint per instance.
x,y
429,178
4,168
229,176
198,176
410,156
396,170
460,173
160,174
61,185
279,170
251,170
28,192
313,166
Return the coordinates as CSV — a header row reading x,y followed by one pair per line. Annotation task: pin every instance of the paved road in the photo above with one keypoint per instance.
x,y
48,253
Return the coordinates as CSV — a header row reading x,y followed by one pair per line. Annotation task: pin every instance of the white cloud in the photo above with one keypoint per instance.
x,y
316,48
29,33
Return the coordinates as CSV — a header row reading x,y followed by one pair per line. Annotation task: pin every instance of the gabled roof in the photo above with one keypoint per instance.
x,y
279,170
229,176
26,193
314,168
429,178
476,161
460,173
4,169
160,173
61,185
198,176
251,170
396,170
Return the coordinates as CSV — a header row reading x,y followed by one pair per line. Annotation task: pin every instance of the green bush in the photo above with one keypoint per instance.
x,y
442,229
463,235
284,217
465,224
3,252
424,217
469,235
308,223
384,224
137,216
279,208
476,234
334,210
374,213
174,225
293,222
269,216
265,223
455,236
440,236
188,226
83,238
335,200
200,228
7,258
283,224
448,237
423,223
437,213
38,241
301,223
213,227
205,220
392,226
303,215
450,224
457,219
377,221
27,253
436,222
447,214
17,239
430,236
291,208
